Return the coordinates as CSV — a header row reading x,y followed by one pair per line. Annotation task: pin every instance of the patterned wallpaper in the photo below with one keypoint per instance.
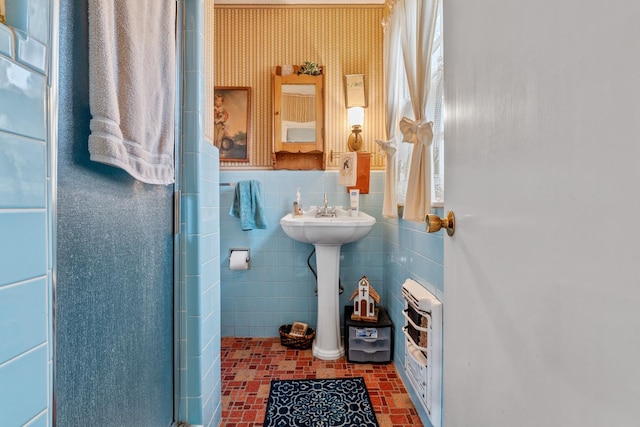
x,y
244,43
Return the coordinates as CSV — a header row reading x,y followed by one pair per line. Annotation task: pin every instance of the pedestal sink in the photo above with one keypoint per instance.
x,y
328,234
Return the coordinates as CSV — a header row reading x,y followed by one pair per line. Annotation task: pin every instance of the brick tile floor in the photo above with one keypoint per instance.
x,y
249,364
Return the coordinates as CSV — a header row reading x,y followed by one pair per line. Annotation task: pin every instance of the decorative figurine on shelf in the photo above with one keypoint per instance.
x,y
364,298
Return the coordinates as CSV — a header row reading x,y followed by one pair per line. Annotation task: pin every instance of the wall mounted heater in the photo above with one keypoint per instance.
x,y
423,353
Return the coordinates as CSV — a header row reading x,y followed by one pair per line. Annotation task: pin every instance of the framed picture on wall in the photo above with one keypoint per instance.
x,y
355,93
232,122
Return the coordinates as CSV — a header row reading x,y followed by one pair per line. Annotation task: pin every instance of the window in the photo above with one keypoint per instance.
x,y
434,114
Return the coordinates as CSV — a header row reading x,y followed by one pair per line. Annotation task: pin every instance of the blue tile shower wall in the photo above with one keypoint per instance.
x,y
210,287
279,287
25,218
200,392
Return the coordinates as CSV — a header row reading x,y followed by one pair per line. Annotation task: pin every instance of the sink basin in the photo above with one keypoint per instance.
x,y
338,230
328,234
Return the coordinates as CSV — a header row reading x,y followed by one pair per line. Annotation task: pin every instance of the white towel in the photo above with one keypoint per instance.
x,y
132,86
348,169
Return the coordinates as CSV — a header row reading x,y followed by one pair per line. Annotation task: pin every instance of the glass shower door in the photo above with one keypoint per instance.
x,y
114,293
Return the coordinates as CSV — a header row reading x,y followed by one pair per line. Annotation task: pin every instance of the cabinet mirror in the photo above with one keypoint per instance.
x,y
298,113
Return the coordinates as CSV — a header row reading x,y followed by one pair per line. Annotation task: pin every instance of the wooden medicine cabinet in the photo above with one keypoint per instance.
x,y
298,119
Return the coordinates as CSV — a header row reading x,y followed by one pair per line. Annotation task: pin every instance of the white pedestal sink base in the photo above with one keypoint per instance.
x,y
328,234
328,344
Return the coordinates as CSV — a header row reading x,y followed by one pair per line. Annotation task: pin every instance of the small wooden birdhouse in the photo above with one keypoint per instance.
x,y
365,299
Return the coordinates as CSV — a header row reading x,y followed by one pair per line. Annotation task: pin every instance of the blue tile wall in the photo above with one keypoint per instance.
x,y
24,248
30,52
24,394
23,166
25,218
29,16
39,421
24,308
200,398
279,287
22,95
7,44
410,252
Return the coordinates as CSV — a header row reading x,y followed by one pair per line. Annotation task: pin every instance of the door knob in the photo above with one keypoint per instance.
x,y
435,223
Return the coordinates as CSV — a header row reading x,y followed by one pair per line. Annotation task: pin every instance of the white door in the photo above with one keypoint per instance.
x,y
542,277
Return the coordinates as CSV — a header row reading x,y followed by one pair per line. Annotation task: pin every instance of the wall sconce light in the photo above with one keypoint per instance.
x,y
355,101
356,120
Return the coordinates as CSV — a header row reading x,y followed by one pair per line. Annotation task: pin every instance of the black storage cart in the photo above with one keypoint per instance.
x,y
368,342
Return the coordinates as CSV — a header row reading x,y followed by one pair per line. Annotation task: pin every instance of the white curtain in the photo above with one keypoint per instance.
x,y
392,97
419,19
415,21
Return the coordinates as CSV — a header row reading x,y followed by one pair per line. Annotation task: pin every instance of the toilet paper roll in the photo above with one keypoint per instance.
x,y
239,260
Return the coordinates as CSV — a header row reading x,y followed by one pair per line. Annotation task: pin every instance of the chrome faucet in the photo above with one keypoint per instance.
x,y
325,210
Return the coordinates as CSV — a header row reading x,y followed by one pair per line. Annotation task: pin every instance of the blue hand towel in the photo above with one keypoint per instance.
x,y
247,205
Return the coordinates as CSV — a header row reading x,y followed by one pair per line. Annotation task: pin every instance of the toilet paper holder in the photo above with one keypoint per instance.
x,y
248,257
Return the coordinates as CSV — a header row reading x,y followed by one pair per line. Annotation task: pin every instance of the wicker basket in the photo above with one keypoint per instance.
x,y
300,343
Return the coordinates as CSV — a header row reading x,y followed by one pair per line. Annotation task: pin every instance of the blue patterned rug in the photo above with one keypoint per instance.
x,y
319,403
